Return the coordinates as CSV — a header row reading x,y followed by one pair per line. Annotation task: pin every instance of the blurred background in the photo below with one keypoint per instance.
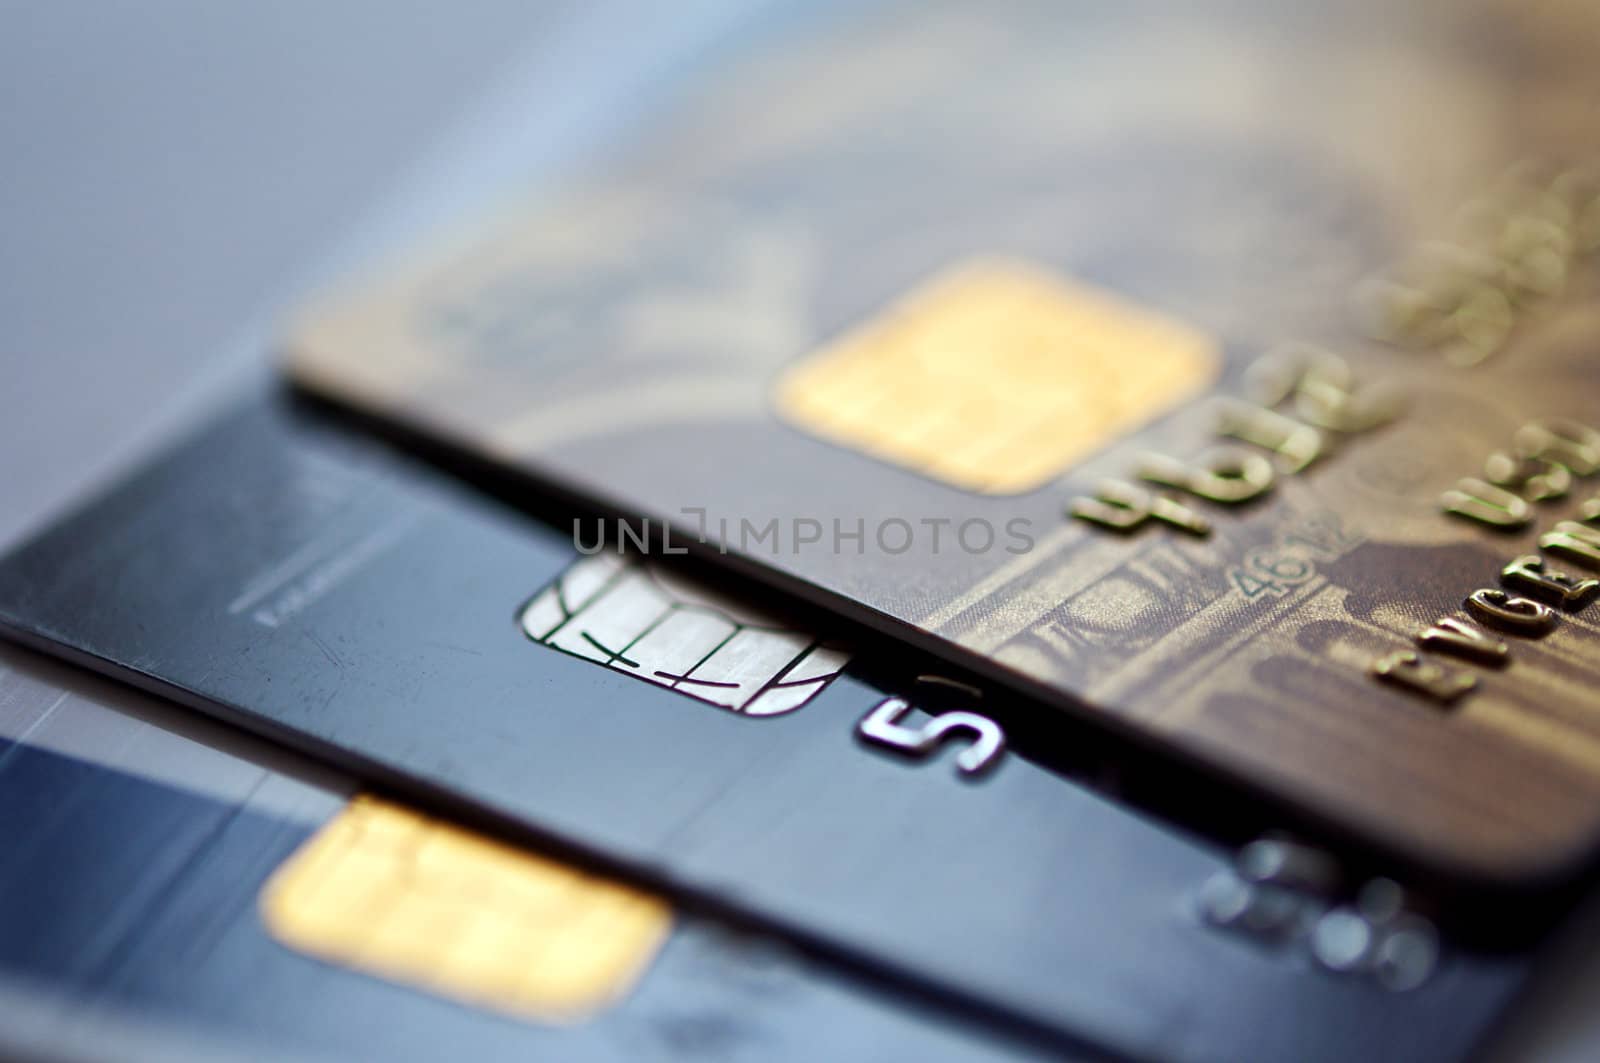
x,y
175,173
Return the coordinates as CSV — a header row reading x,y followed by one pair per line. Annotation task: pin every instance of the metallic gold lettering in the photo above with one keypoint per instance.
x,y
1517,616
1323,387
1535,479
1296,445
1528,573
1487,504
1229,475
1463,639
1123,507
1575,542
1577,446
1408,670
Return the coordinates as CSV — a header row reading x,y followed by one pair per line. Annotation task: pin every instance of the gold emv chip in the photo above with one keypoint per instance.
x,y
392,893
995,376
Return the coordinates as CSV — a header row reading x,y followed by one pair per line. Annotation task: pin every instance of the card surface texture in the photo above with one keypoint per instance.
x,y
1225,373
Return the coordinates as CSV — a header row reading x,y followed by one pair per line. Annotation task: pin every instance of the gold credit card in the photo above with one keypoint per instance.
x,y
1227,372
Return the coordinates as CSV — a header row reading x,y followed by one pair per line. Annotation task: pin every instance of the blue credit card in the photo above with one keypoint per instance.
x,y
308,585
131,904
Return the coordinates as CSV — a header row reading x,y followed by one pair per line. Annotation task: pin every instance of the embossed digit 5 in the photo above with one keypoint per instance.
x,y
882,725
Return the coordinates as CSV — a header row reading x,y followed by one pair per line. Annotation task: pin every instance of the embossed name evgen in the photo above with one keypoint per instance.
x,y
1299,411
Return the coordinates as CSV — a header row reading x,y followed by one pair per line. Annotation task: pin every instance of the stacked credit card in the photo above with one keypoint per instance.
x,y
986,531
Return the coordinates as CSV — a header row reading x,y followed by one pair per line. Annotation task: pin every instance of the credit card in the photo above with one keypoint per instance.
x,y
297,579
1223,372
136,906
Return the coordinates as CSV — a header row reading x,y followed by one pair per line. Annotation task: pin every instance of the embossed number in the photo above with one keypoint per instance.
x,y
882,725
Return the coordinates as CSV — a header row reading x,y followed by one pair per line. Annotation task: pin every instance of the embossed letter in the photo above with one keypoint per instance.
x,y
1407,669
1226,474
1527,573
1484,502
1123,507
1463,639
1519,616
1575,542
